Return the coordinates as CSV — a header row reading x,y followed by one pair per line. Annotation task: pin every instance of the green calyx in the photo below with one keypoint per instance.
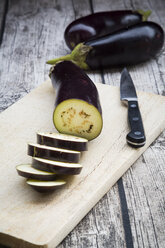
x,y
77,56
145,14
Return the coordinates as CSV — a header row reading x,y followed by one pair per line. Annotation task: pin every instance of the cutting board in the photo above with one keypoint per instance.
x,y
30,219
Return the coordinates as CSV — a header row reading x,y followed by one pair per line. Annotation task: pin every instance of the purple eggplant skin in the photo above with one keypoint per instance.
x,y
52,154
72,82
128,46
138,43
64,144
55,168
37,176
101,23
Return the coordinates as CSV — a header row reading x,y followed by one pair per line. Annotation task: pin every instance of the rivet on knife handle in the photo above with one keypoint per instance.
x,y
136,137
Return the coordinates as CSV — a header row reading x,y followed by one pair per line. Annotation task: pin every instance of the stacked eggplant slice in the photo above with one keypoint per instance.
x,y
54,155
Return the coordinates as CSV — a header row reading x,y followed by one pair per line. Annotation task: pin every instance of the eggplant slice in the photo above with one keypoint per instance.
x,y
52,153
56,166
45,186
26,170
64,141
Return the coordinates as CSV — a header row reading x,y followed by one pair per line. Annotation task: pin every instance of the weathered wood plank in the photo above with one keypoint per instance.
x,y
3,12
102,226
144,186
146,219
33,34
144,183
23,67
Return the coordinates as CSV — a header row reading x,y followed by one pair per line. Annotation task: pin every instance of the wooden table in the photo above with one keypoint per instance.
x,y
132,213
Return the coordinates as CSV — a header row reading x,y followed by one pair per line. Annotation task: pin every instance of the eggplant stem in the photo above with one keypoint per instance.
x,y
77,56
145,14
55,61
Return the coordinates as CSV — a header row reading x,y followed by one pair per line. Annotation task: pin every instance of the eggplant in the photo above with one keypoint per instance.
x,y
101,23
45,186
52,153
128,46
58,140
26,170
56,166
77,107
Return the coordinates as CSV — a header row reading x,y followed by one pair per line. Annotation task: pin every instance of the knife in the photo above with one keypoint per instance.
x,y
136,137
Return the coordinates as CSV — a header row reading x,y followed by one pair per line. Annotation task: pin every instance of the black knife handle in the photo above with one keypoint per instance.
x,y
136,137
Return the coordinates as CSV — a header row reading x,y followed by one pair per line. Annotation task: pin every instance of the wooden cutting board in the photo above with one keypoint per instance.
x,y
30,219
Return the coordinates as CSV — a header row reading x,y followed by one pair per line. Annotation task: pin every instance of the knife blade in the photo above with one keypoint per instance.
x,y
136,137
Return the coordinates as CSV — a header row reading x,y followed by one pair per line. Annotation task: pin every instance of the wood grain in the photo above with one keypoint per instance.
x,y
23,68
146,227
43,221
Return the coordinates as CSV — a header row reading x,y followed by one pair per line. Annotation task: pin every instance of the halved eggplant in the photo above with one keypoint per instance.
x,y
26,170
77,107
56,166
52,153
45,186
69,142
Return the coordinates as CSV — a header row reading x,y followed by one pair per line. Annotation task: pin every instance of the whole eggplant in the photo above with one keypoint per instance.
x,y
77,105
101,23
128,46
